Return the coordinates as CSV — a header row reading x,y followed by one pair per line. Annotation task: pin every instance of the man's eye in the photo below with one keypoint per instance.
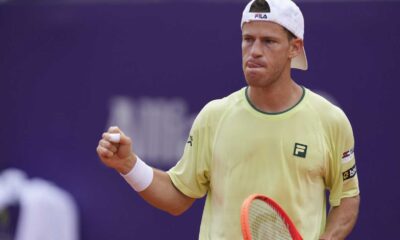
x,y
269,41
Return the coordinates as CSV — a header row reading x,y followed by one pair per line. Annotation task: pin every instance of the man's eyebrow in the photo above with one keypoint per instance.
x,y
262,37
269,37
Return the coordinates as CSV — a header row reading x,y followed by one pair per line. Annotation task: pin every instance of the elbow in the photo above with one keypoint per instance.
x,y
181,205
355,203
357,200
176,211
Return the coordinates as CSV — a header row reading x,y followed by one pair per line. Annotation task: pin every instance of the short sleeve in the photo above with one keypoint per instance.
x,y
191,174
342,179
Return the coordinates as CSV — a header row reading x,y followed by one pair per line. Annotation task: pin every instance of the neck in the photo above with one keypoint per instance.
x,y
276,97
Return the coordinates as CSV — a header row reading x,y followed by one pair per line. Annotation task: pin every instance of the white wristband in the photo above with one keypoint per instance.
x,y
140,177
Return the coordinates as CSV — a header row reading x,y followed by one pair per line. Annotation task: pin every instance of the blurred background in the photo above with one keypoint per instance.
x,y
71,68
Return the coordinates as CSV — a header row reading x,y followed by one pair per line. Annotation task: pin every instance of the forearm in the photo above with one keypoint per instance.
x,y
162,194
341,219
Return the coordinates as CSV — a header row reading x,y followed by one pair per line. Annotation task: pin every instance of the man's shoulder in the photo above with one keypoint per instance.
x,y
220,105
326,108
215,109
323,102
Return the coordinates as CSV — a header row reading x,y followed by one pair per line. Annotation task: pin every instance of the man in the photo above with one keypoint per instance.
x,y
272,137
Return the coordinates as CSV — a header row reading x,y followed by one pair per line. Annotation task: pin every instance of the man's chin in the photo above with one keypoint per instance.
x,y
254,77
253,82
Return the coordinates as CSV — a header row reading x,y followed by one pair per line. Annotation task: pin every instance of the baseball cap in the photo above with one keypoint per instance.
x,y
283,12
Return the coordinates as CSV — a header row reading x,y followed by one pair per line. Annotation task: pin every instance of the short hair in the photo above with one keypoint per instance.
x,y
290,34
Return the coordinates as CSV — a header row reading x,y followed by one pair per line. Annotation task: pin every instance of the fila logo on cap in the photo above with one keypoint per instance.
x,y
260,16
300,150
260,7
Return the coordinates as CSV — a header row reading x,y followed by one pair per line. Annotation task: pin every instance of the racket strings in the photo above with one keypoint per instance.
x,y
265,223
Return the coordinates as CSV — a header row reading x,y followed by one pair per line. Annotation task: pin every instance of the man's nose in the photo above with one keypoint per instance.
x,y
256,49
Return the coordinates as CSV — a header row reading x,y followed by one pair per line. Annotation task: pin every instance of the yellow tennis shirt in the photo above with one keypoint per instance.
x,y
234,150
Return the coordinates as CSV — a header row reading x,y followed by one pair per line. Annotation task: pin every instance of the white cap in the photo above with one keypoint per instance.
x,y
283,12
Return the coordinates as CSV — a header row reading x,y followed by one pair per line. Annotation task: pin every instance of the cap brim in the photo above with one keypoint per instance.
x,y
300,61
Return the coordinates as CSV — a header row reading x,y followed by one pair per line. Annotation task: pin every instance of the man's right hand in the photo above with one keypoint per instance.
x,y
161,193
118,156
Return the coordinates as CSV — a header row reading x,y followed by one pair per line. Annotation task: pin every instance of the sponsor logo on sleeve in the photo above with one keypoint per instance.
x,y
190,140
348,156
350,173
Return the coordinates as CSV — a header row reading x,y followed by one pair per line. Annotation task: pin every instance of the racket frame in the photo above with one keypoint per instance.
x,y
244,216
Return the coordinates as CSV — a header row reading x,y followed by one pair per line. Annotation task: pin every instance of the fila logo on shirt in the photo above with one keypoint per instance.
x,y
300,150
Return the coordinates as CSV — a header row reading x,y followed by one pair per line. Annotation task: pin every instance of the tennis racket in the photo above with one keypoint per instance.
x,y
263,219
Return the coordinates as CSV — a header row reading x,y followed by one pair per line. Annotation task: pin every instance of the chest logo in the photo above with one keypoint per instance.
x,y
300,150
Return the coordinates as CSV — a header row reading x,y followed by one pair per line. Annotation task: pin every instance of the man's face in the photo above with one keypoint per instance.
x,y
266,52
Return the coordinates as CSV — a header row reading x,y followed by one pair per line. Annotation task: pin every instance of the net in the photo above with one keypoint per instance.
x,y
266,223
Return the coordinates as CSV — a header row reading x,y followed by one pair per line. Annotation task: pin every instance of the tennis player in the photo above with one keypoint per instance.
x,y
272,137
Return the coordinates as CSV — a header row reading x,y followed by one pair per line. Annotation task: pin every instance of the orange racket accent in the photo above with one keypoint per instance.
x,y
263,219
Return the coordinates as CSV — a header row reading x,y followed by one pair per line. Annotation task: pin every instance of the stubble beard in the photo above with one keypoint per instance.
x,y
265,80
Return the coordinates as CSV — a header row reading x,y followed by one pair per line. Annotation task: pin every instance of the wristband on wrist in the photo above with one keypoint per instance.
x,y
140,177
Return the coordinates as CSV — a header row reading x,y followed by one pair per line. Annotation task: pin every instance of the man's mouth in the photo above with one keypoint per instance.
x,y
253,64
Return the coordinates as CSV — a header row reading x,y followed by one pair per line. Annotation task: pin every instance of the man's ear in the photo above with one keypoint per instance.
x,y
296,46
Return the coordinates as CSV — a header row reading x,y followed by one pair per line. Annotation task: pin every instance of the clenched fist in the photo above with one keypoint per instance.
x,y
116,154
